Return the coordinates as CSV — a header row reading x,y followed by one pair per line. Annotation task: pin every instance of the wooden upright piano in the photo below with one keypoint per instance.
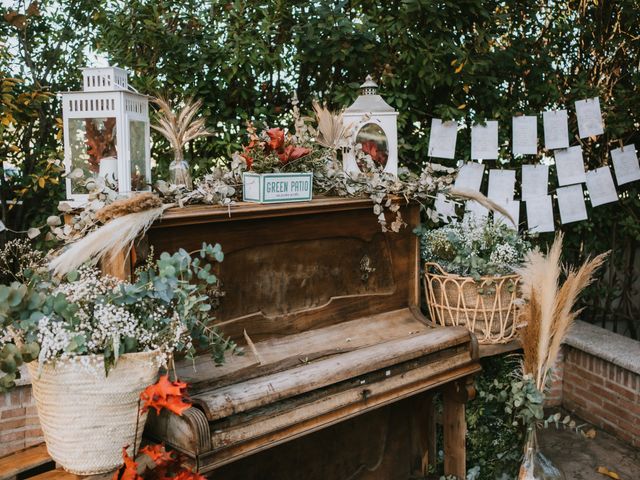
x,y
340,382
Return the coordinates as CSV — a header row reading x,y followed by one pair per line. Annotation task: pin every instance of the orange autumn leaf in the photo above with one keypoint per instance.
x,y
159,455
165,394
128,471
186,474
609,473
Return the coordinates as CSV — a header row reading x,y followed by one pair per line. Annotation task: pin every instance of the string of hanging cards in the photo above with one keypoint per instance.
x,y
570,168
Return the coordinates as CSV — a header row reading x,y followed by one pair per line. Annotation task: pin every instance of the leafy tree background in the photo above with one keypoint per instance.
x,y
467,59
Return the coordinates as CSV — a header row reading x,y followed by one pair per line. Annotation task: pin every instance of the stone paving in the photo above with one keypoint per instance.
x,y
580,457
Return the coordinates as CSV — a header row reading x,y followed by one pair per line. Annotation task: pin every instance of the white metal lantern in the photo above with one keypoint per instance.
x,y
106,133
375,129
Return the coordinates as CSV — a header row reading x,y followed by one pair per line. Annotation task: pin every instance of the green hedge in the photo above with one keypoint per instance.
x,y
463,59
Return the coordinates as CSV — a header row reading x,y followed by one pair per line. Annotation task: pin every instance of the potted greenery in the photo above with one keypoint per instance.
x,y
93,343
469,276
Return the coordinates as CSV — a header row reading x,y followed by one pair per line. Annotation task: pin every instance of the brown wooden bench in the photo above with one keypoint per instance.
x,y
25,463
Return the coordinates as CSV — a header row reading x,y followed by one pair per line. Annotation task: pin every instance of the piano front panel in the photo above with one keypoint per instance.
x,y
294,273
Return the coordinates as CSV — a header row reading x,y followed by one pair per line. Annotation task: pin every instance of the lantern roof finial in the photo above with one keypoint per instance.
x,y
369,87
369,100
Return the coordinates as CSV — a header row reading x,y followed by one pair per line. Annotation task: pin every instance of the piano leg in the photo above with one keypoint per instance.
x,y
423,434
431,431
455,395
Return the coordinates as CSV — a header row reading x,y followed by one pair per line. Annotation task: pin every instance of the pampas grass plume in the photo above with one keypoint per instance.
x,y
548,312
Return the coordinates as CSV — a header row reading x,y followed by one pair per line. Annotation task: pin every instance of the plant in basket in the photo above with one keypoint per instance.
x,y
92,344
469,276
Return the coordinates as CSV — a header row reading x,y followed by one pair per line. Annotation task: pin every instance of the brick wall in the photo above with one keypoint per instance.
x,y
602,393
19,426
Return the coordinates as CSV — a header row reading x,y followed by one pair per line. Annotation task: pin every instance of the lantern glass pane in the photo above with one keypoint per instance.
x,y
374,143
138,150
93,150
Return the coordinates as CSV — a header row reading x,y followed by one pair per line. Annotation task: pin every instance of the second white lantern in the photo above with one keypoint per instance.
x,y
374,128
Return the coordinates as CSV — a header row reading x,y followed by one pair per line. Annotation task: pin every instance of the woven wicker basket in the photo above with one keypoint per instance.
x,y
87,418
487,307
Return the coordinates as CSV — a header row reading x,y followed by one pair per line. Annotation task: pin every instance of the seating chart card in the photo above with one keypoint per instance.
x,y
535,181
442,141
445,208
601,187
540,214
473,208
501,185
556,129
571,204
625,164
513,208
589,117
470,176
484,141
525,135
569,166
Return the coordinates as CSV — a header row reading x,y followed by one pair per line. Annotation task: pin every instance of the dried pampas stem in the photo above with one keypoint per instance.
x,y
137,203
467,194
105,242
548,312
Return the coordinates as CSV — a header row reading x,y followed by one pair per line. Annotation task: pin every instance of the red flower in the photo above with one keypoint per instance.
x,y
165,394
277,138
371,148
293,153
248,160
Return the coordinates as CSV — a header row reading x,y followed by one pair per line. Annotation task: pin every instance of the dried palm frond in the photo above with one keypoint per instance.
x,y
548,312
179,129
466,194
332,132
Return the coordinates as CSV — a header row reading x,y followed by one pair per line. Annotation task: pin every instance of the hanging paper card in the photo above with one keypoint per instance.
x,y
569,166
556,129
476,210
525,135
571,204
513,208
600,186
589,117
470,176
540,214
625,163
484,141
445,208
535,181
442,141
501,185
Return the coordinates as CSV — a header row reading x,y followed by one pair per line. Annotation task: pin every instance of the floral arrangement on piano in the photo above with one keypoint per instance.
x,y
84,336
314,146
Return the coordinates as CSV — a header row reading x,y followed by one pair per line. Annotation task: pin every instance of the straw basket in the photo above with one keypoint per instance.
x,y
87,417
486,307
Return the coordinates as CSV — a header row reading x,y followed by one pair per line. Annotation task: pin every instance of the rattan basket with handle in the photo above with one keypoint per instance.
x,y
487,307
87,417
